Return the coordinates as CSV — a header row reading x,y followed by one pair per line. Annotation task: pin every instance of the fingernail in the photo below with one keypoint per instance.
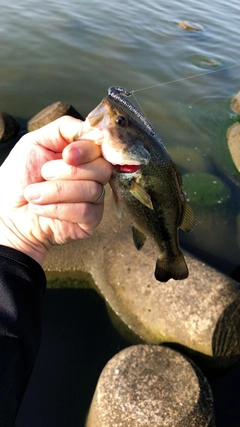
x,y
32,193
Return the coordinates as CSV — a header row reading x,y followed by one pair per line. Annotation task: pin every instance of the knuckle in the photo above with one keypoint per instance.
x,y
106,171
91,215
92,191
59,210
58,189
74,172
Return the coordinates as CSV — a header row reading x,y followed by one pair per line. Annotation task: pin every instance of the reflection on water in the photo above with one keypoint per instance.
x,y
73,51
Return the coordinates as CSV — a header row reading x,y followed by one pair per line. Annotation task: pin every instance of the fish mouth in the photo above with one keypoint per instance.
x,y
126,168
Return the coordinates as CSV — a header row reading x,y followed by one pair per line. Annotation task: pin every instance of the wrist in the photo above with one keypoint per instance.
x,y
12,238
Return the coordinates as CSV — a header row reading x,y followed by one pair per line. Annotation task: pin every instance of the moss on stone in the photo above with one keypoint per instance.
x,y
205,189
69,280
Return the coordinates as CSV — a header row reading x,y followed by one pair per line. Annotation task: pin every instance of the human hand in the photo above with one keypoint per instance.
x,y
48,188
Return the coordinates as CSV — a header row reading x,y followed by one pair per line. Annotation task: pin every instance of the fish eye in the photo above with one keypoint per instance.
x,y
121,121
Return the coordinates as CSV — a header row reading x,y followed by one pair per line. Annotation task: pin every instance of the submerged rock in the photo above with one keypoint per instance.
x,y
233,140
205,189
147,385
235,103
238,230
205,61
190,26
211,123
189,159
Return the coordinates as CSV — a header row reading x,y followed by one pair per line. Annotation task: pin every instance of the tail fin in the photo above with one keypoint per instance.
x,y
175,269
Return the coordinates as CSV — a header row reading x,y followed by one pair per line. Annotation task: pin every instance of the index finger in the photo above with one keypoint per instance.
x,y
56,135
80,152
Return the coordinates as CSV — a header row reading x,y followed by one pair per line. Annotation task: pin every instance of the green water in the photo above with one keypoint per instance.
x,y
73,51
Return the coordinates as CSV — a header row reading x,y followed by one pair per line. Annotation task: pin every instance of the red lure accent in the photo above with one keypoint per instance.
x,y
126,168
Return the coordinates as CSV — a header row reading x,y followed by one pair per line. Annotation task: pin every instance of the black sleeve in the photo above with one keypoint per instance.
x,y
22,287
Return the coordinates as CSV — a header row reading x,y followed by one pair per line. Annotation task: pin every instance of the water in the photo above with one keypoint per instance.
x,y
73,51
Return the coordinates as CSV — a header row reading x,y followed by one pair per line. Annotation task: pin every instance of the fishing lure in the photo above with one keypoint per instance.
x,y
116,92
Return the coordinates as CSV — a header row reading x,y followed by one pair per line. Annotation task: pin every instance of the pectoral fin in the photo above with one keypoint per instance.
x,y
188,219
137,191
138,237
116,205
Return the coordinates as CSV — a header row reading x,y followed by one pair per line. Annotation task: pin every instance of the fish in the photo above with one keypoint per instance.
x,y
145,183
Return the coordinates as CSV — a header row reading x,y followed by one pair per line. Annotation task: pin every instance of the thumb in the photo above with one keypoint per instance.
x,y
23,165
56,135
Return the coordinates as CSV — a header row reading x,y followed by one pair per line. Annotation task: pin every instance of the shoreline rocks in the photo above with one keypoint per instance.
x,y
149,385
51,113
9,126
11,130
235,103
194,313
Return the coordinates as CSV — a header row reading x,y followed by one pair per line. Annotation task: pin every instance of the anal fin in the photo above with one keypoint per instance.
x,y
116,205
138,237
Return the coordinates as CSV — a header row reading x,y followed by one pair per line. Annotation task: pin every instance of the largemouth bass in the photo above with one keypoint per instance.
x,y
145,183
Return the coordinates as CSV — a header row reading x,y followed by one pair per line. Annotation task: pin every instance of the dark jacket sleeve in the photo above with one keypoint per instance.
x,y
22,286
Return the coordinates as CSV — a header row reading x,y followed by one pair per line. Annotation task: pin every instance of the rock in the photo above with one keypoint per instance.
x,y
205,61
9,127
51,113
215,230
147,385
233,139
238,230
211,124
205,190
7,146
189,159
190,26
235,103
200,314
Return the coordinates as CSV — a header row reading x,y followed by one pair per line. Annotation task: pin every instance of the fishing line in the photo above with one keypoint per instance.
x,y
138,103
119,94
185,78
132,92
